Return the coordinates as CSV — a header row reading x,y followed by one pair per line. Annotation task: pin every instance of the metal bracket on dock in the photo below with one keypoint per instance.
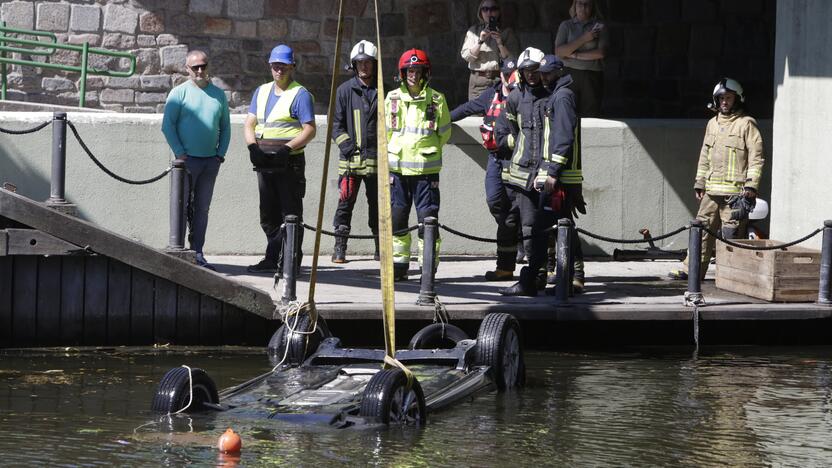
x,y
34,242
694,299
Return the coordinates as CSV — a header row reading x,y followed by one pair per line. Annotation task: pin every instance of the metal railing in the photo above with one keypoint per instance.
x,y
46,49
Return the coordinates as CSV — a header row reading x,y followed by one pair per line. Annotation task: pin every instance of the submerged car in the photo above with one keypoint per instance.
x,y
315,378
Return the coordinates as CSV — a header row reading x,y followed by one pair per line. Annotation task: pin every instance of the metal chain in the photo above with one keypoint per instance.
x,y
107,171
631,241
359,236
753,247
28,130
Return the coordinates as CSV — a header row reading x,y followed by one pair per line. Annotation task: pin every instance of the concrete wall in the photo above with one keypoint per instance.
x,y
802,119
639,173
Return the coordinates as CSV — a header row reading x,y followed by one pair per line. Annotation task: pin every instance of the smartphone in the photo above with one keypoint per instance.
x,y
597,27
493,24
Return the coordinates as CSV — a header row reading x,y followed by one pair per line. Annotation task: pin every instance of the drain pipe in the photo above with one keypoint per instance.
x,y
563,268
427,293
693,296
826,265
290,245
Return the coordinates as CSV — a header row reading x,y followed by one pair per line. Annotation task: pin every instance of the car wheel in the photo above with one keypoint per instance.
x,y
436,335
294,334
387,400
499,346
174,391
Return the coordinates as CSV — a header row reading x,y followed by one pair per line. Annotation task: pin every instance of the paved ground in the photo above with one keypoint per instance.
x,y
614,291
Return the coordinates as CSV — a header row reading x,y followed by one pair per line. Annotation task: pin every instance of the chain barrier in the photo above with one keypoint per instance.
x,y
107,171
769,247
28,130
631,241
359,236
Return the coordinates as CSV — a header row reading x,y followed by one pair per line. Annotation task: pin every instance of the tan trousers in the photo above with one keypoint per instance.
x,y
477,84
715,213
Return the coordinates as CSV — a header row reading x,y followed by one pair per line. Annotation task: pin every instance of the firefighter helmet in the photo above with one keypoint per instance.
x,y
727,84
363,50
414,58
529,58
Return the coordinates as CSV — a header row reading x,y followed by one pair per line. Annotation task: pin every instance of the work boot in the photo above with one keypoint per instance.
x,y
521,254
400,272
264,266
376,254
577,285
499,275
677,275
339,252
525,287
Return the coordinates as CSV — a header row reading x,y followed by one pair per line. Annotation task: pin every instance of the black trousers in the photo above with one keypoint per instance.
x,y
281,194
348,186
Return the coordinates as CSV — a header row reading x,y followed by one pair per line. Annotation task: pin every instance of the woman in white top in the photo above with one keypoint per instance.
x,y
581,42
486,43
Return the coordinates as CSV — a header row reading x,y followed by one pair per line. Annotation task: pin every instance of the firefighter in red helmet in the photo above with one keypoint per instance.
x,y
418,126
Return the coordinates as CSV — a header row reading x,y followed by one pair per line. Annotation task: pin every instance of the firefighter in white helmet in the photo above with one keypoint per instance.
x,y
354,130
729,171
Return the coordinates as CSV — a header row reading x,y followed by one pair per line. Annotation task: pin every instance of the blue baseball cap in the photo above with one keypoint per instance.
x,y
282,54
550,63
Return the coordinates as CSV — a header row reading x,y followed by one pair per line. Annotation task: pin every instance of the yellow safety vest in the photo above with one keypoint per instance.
x,y
279,124
417,128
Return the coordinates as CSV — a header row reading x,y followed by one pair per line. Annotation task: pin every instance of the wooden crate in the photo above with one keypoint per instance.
x,y
784,275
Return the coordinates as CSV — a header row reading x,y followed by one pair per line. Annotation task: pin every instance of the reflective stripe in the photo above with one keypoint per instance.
x,y
279,124
401,249
556,158
294,124
511,116
510,141
417,130
398,164
356,121
342,138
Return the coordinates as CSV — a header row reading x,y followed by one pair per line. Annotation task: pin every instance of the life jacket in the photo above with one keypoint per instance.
x,y
489,122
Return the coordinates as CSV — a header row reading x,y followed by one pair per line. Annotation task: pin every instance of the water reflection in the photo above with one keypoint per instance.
x,y
749,407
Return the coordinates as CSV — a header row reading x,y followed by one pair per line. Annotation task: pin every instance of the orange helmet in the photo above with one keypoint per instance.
x,y
414,58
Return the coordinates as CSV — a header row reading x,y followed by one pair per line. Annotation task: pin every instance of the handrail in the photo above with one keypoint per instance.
x,y
83,69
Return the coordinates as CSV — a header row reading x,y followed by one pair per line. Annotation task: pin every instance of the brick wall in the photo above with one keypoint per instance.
x,y
664,58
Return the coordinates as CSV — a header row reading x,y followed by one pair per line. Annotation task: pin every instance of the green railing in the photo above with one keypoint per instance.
x,y
46,49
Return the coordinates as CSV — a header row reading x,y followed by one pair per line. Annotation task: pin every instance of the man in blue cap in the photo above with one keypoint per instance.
x,y
280,122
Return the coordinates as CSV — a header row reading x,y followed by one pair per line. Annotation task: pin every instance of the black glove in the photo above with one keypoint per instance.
x,y
741,206
576,197
257,156
282,153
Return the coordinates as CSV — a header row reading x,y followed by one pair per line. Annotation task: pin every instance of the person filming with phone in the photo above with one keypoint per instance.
x,y
485,45
582,42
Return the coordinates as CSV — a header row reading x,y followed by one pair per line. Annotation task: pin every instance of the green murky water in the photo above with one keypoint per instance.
x,y
738,407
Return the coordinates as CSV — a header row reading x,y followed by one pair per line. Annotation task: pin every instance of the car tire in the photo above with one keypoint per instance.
x,y
387,400
300,345
436,335
173,393
500,347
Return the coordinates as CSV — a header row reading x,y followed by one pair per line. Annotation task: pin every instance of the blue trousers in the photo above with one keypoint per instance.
x,y
405,191
499,205
202,173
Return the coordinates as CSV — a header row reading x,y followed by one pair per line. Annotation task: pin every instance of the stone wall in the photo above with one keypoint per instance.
x,y
664,58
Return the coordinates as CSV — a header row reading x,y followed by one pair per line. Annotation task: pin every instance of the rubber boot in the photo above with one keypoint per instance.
x,y
339,253
376,254
525,287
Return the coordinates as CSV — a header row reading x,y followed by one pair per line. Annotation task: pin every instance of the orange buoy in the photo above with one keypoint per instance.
x,y
229,442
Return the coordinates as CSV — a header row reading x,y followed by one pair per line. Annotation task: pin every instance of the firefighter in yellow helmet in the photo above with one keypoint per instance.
x,y
418,126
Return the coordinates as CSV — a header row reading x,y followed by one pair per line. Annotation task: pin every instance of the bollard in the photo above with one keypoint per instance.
x,y
427,294
825,265
563,268
693,296
290,244
176,239
57,182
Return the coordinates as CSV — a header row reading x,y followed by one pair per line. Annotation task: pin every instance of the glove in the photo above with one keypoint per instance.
x,y
257,157
741,206
749,192
576,196
282,152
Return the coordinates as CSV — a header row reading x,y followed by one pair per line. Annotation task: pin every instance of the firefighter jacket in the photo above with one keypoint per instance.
x,y
491,103
417,128
731,156
279,124
563,156
522,133
354,127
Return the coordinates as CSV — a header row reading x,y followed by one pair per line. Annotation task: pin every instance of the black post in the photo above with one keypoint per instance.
x,y
563,268
290,244
176,239
58,180
824,291
693,296
427,294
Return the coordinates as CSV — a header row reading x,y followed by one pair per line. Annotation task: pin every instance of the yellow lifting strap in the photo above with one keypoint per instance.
x,y
385,224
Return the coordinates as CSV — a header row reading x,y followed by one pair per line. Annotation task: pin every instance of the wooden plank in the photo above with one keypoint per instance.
x,y
233,324
80,232
6,283
118,303
187,317
34,242
95,301
769,288
164,312
49,301
141,308
72,300
210,321
24,301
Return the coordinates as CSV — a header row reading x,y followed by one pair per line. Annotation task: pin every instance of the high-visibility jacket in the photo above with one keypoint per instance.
x,y
732,155
354,127
279,124
417,128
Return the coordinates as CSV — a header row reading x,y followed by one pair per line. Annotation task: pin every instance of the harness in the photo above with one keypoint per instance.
x,y
489,140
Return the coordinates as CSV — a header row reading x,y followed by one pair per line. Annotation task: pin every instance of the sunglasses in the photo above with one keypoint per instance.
x,y
490,8
201,66
279,66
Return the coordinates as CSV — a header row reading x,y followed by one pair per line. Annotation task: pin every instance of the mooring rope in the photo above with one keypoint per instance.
x,y
25,131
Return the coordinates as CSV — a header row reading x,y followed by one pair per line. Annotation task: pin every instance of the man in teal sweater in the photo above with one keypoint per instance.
x,y
197,128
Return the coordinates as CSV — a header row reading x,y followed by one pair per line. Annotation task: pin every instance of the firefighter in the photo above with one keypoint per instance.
x,y
354,131
729,170
491,102
418,126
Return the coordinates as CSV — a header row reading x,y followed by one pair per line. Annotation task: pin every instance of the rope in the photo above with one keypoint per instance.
x,y
190,390
754,247
107,171
28,130
630,241
358,236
